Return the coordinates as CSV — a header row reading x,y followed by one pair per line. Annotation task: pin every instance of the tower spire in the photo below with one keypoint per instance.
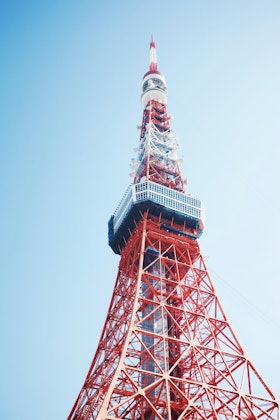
x,y
153,55
157,159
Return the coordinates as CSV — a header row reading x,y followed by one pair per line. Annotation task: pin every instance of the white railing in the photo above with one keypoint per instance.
x,y
159,194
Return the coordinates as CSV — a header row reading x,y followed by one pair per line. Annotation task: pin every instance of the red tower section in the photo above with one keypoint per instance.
x,y
167,350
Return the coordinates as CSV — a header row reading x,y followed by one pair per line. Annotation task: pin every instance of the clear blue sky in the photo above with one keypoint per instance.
x,y
71,75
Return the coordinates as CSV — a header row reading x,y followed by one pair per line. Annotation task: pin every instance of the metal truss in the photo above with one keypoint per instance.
x,y
157,159
167,350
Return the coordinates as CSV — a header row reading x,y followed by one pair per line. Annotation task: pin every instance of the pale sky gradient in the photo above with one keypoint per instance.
x,y
71,74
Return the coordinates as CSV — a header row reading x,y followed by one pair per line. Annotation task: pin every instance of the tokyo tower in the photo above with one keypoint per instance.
x,y
167,350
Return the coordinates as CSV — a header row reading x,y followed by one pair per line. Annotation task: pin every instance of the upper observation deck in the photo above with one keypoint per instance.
x,y
158,199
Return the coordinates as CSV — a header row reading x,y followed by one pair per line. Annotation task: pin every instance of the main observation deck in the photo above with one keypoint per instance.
x,y
171,204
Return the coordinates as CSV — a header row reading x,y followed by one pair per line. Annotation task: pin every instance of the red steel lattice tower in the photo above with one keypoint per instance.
x,y
167,350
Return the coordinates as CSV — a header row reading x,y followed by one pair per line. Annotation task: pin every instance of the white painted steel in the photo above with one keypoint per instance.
x,y
154,87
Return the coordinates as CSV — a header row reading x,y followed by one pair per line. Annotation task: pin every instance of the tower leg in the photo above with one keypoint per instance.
x,y
167,350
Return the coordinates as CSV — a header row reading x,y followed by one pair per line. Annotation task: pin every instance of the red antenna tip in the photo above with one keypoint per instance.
x,y
153,55
152,44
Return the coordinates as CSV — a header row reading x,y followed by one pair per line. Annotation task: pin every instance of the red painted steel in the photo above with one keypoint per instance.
x,y
167,350
153,169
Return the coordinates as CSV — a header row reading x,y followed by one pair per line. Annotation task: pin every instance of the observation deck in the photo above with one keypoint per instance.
x,y
173,205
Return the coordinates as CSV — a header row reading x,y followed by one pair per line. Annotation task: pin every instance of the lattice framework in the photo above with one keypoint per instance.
x,y
167,350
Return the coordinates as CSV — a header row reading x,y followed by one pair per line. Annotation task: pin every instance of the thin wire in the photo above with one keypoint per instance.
x,y
247,303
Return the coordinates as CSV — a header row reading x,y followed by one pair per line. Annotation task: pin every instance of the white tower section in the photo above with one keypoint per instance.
x,y
154,85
